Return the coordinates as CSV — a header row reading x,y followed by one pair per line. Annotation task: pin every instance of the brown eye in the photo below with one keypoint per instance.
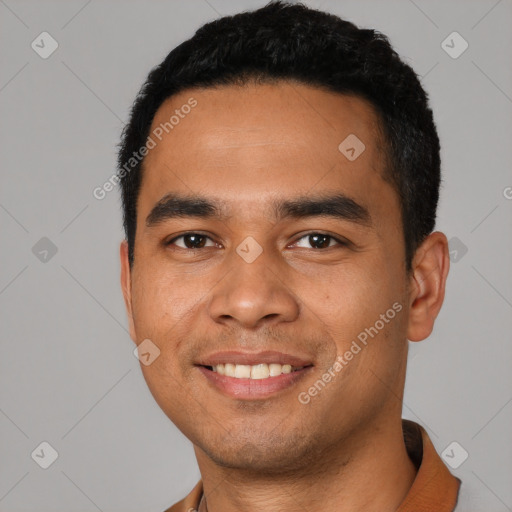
x,y
319,241
191,241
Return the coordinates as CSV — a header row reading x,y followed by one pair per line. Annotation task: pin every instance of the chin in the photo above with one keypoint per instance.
x,y
270,456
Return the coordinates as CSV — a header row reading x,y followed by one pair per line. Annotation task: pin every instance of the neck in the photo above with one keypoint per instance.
x,y
369,471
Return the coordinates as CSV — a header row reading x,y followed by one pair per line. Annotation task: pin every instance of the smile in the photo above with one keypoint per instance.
x,y
255,372
253,375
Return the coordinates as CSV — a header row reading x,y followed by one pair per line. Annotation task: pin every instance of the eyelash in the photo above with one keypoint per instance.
x,y
341,243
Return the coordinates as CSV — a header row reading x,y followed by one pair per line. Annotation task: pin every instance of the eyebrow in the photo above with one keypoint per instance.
x,y
338,206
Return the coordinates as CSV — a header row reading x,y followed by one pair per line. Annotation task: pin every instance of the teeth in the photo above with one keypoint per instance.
x,y
257,371
242,371
274,369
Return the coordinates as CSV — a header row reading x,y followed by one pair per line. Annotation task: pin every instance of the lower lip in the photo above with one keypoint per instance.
x,y
250,389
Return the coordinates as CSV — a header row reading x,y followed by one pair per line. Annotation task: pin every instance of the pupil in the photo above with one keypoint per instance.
x,y
313,239
194,243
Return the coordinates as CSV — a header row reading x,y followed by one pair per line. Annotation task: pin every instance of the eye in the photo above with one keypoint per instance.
x,y
320,241
315,240
192,241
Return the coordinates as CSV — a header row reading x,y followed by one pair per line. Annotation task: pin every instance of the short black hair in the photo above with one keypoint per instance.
x,y
283,41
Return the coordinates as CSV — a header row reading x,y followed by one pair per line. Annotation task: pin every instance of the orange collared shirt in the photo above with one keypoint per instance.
x,y
434,489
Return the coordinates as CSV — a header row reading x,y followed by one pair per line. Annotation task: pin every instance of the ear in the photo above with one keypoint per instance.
x,y
430,267
126,286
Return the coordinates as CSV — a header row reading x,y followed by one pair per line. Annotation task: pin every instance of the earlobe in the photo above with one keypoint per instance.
x,y
126,286
427,287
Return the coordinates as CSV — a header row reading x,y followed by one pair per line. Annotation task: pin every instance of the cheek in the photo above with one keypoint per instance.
x,y
166,310
160,301
162,314
353,298
166,387
365,306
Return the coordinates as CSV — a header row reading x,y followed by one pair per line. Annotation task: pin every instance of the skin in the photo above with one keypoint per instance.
x,y
249,145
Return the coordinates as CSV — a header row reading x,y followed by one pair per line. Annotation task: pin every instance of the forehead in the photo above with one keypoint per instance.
x,y
246,143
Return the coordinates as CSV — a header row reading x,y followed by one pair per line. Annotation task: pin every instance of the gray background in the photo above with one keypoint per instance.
x,y
67,372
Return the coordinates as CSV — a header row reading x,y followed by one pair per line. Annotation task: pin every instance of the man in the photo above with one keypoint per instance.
x,y
280,178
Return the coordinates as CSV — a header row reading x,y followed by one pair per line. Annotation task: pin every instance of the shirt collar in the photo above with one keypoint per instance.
x,y
434,487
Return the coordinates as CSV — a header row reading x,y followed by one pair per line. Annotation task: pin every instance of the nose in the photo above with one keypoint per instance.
x,y
253,294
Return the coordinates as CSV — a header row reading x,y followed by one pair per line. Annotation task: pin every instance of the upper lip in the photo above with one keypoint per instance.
x,y
253,358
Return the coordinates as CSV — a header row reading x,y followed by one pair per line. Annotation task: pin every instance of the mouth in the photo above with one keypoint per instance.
x,y
253,376
254,372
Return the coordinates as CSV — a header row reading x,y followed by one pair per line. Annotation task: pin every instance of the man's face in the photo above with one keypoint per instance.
x,y
305,295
